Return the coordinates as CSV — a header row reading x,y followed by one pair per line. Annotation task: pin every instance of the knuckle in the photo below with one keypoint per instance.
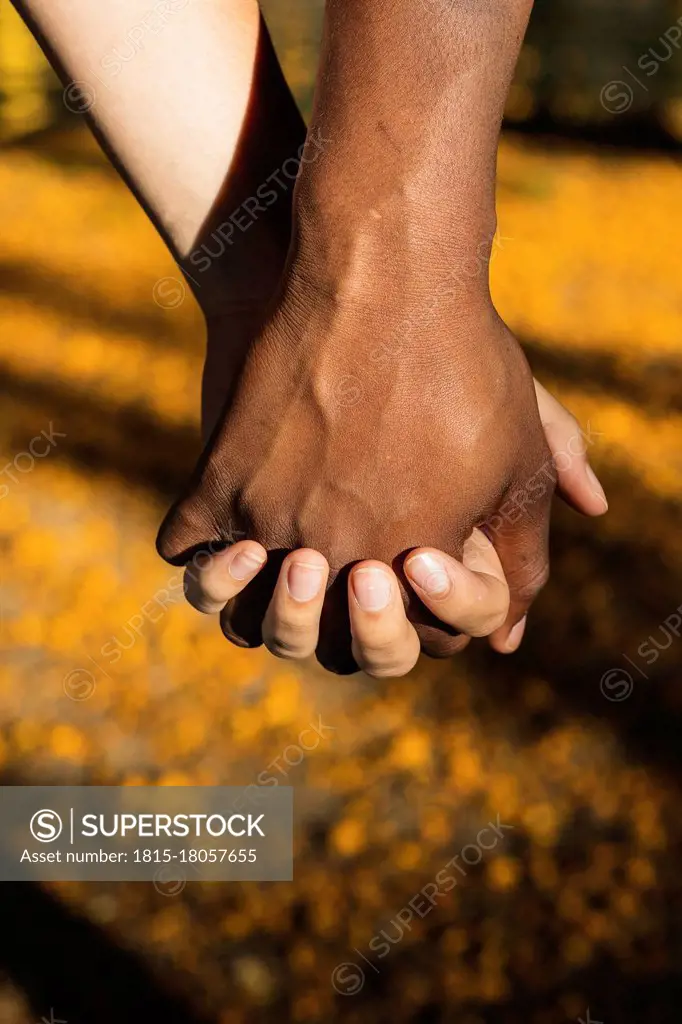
x,y
497,620
379,649
286,650
290,640
287,627
387,657
185,526
492,611
498,614
491,622
388,670
203,598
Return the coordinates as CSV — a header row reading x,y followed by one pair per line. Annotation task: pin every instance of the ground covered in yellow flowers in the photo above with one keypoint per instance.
x,y
579,904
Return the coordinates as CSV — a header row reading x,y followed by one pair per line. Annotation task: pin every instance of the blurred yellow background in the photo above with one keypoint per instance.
x,y
580,904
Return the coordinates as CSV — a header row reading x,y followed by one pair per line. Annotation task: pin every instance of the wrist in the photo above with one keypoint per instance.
x,y
404,244
354,334
424,209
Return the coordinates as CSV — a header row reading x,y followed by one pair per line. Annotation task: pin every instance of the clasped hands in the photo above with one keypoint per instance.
x,y
383,505
380,464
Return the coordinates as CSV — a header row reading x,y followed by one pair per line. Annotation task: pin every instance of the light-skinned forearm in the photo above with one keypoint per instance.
x,y
179,93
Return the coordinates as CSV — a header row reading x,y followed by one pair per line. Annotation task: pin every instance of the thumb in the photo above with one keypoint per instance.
x,y
190,528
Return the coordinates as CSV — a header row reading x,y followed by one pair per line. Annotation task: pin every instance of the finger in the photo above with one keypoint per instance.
x,y
188,527
241,620
576,480
385,644
292,622
523,548
213,580
473,597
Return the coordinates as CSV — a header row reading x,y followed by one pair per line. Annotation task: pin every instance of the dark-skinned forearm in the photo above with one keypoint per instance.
x,y
411,95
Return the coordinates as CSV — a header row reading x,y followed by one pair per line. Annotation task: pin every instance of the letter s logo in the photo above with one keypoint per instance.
x,y
46,826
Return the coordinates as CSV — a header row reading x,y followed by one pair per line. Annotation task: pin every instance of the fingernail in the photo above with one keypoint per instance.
x,y
372,589
516,634
245,564
304,580
429,573
597,488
